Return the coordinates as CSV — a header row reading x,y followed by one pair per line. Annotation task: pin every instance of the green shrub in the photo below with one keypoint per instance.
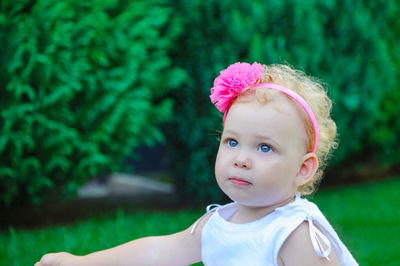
x,y
82,84
385,133
338,41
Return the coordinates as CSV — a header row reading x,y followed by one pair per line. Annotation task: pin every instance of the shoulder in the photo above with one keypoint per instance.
x,y
192,235
298,249
187,242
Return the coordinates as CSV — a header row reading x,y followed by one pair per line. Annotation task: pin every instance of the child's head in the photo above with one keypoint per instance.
x,y
243,80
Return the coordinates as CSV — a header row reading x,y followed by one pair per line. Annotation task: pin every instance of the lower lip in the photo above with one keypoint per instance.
x,y
239,182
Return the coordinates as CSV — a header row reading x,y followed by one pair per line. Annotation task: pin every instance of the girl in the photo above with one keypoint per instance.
x,y
277,135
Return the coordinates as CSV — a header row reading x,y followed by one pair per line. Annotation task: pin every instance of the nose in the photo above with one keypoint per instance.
x,y
242,162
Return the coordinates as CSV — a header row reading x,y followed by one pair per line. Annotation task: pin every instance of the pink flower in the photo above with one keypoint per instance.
x,y
232,81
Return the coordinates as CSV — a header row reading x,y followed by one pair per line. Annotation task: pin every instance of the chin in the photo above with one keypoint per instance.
x,y
245,200
258,202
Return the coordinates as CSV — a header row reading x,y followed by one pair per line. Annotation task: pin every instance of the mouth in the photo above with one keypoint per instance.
x,y
239,181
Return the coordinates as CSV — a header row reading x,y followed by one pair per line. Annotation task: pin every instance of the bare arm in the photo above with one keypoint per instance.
x,y
181,248
298,250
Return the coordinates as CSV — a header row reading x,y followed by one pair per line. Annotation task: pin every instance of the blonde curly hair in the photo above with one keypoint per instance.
x,y
312,91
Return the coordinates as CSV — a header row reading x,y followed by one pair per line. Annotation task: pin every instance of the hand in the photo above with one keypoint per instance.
x,y
59,259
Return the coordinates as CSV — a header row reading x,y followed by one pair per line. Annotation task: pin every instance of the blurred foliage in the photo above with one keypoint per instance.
x,y
386,133
342,42
82,84
85,82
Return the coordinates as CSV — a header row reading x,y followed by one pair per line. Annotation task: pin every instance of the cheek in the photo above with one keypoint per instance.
x,y
223,161
219,162
273,172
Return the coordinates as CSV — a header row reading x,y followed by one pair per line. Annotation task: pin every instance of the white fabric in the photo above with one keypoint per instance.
x,y
259,242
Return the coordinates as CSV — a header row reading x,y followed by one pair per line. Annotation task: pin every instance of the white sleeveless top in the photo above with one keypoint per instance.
x,y
259,242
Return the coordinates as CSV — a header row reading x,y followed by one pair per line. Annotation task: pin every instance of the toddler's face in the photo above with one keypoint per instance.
x,y
261,152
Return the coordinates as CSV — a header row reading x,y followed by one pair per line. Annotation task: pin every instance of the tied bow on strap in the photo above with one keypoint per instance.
x,y
317,238
321,244
210,208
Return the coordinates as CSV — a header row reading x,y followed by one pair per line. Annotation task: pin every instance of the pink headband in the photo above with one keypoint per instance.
x,y
240,76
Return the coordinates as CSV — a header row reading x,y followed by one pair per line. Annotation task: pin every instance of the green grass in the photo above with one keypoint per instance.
x,y
366,217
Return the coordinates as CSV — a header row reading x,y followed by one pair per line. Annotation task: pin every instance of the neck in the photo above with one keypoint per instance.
x,y
246,214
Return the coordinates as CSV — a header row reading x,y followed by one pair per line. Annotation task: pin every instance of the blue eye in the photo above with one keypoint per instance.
x,y
232,143
264,148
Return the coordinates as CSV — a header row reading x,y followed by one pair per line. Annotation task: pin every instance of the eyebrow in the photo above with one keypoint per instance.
x,y
229,132
275,143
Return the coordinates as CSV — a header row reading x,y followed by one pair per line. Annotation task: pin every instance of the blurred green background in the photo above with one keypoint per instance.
x,y
85,84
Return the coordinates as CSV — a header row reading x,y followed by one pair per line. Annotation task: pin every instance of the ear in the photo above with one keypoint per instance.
x,y
307,170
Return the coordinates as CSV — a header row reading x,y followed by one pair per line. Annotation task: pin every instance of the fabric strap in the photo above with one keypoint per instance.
x,y
210,208
317,238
